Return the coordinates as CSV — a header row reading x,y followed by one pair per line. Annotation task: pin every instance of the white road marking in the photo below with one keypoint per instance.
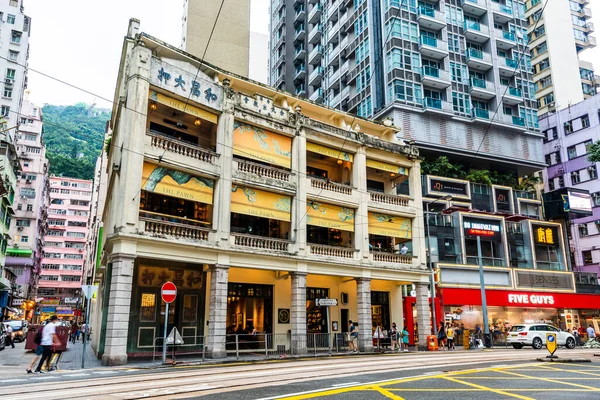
x,y
44,377
105,372
77,375
12,380
346,384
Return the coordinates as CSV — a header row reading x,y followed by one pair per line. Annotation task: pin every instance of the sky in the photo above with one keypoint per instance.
x,y
80,41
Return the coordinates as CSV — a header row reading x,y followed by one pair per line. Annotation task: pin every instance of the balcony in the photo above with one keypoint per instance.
x,y
300,14
432,104
300,91
476,32
167,146
480,113
317,96
300,33
300,52
300,73
433,48
511,95
315,14
174,230
391,258
519,121
474,7
325,190
332,32
262,171
391,202
315,55
331,251
260,242
505,40
507,67
334,100
502,13
435,77
334,75
332,57
478,60
482,89
316,76
431,19
314,37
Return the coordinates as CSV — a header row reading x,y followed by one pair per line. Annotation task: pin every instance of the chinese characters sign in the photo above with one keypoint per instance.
x,y
543,234
185,80
183,278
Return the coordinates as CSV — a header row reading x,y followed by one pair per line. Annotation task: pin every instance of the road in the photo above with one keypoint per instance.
x,y
491,374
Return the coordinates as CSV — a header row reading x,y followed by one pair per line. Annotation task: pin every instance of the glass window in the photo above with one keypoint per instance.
x,y
190,308
148,307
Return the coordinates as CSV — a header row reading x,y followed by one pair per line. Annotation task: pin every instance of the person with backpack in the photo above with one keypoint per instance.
x,y
39,350
48,341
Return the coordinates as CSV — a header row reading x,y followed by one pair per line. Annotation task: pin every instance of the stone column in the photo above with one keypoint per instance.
x,y
119,306
418,223
298,339
299,212
361,217
217,313
423,314
363,297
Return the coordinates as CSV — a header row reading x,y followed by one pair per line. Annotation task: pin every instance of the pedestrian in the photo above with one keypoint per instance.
x,y
39,350
404,336
84,328
49,339
403,249
590,331
352,338
576,336
394,335
74,329
441,335
450,336
9,338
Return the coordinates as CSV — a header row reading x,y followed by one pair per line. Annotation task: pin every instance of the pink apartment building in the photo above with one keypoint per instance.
x,y
64,246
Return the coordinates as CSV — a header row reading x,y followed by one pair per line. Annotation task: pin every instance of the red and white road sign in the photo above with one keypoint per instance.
x,y
168,292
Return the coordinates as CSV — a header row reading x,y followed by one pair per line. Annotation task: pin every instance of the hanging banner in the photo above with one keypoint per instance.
x,y
259,203
394,169
177,184
329,152
258,144
390,225
329,216
183,107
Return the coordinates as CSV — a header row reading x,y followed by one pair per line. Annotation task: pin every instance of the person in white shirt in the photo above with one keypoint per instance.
x,y
49,339
9,338
591,333
404,249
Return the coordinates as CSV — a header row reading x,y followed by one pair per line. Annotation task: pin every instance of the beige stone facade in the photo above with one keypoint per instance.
x,y
256,204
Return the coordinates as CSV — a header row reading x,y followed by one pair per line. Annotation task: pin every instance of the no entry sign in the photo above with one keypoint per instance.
x,y
168,292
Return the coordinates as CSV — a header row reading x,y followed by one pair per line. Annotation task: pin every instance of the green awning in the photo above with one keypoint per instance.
x,y
19,252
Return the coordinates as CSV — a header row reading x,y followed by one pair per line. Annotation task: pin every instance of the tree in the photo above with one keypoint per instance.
x,y
442,167
594,152
481,176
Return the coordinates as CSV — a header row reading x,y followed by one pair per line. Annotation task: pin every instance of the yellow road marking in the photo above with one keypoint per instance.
x,y
566,370
551,380
438,390
387,393
497,391
516,378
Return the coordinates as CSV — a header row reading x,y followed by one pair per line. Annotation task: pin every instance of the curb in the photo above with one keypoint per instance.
x,y
564,360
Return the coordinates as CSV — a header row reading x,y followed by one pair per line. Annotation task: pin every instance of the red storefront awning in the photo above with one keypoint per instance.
x,y
516,298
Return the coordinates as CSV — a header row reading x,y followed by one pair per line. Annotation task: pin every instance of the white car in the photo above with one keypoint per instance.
x,y
534,335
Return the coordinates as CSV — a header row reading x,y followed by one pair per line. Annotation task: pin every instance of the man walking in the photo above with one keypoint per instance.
x,y
49,339
590,331
9,338
352,336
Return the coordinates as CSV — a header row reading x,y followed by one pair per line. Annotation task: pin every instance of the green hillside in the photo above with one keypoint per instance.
x,y
74,136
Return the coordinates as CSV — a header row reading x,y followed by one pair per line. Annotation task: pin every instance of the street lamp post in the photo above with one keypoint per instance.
x,y
430,264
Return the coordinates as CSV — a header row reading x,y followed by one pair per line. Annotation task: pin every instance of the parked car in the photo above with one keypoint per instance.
x,y
534,335
2,336
19,327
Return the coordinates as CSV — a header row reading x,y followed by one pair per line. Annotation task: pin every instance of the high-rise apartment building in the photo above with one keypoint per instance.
x,y
455,76
559,30
14,48
230,42
29,222
64,245
568,135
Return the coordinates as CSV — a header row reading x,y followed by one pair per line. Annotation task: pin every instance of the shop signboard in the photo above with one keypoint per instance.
x,y
544,280
17,302
545,235
326,302
481,227
502,197
455,188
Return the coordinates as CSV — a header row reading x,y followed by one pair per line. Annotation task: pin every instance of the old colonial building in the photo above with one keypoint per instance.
x,y
256,204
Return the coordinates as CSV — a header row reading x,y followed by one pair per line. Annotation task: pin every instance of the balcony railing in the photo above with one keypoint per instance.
x,y
518,120
430,102
428,12
389,199
474,53
479,83
511,63
474,25
488,261
513,91
481,113
263,170
322,184
429,41
261,242
184,149
505,35
175,229
431,71
331,251
381,256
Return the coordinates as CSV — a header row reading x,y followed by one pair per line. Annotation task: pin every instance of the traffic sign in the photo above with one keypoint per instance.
x,y
168,292
89,291
551,343
326,302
